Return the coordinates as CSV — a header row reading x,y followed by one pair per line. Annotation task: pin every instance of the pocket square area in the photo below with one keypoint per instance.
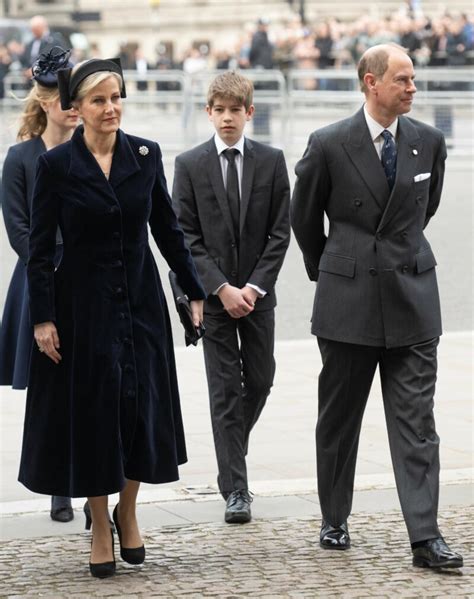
x,y
422,177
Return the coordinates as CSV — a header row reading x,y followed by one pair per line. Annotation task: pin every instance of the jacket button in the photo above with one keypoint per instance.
x,y
130,394
372,271
128,368
405,268
113,210
233,244
117,263
418,199
378,236
122,315
357,202
116,235
127,340
234,273
404,233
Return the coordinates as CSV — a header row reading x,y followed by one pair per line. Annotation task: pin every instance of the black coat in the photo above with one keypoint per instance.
x,y
375,270
16,333
110,410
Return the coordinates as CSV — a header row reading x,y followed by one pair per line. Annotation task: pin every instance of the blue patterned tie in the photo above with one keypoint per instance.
x,y
389,157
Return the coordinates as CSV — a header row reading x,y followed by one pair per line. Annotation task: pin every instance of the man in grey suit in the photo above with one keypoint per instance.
x,y
378,177
232,197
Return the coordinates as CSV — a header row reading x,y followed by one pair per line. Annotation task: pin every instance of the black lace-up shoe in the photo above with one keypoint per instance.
x,y
334,537
435,553
237,510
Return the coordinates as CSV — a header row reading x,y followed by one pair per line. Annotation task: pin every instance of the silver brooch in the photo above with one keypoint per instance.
x,y
143,150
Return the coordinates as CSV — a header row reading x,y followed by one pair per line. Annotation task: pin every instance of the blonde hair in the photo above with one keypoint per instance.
x,y
33,120
91,81
231,86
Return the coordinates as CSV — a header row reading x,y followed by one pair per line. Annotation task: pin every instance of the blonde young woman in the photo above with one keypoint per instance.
x,y
43,126
103,411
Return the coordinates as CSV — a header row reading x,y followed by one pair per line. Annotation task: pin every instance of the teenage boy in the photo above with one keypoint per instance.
x,y
232,197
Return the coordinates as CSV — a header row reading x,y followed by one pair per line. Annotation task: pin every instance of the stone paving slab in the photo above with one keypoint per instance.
x,y
269,558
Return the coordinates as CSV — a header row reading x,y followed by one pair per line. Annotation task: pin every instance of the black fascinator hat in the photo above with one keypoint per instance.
x,y
68,82
44,69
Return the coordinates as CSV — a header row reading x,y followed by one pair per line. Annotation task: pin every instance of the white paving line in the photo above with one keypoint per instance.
x,y
270,488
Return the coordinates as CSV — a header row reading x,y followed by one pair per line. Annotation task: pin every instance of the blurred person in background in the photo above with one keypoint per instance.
x,y
5,63
43,126
261,57
43,40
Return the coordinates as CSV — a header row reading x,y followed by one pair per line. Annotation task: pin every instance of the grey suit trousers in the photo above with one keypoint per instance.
x,y
240,368
408,377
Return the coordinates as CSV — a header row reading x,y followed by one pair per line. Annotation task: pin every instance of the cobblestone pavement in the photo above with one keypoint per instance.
x,y
266,558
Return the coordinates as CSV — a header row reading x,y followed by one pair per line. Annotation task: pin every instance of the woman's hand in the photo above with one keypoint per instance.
x,y
46,337
197,308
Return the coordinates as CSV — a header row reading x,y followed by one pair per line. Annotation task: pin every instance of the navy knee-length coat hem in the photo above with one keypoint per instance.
x,y
110,410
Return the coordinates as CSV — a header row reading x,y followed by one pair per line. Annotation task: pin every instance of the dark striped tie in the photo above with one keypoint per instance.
x,y
389,157
232,188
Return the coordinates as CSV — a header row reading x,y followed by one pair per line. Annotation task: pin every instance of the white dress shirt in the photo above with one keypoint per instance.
x,y
376,129
239,164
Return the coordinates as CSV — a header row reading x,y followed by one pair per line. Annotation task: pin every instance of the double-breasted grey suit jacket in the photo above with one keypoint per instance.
x,y
375,268
200,200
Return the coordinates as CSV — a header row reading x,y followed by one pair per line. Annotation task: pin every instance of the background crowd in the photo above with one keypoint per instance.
x,y
443,40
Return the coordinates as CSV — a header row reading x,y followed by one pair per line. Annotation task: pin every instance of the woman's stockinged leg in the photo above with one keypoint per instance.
x,y
127,515
102,544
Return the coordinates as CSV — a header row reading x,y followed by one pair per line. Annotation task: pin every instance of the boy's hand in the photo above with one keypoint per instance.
x,y
250,294
235,302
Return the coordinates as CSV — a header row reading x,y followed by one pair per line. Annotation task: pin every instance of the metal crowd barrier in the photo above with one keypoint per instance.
x,y
169,105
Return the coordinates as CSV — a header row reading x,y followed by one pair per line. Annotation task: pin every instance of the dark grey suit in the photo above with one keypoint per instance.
x,y
376,303
238,352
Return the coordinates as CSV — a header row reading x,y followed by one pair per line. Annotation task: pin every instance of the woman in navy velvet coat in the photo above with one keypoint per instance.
x,y
103,409
43,125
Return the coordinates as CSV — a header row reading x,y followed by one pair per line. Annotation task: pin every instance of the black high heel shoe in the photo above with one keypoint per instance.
x,y
104,569
134,556
87,513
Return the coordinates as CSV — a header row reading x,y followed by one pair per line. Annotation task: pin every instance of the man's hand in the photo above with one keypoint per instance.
x,y
250,294
236,302
46,336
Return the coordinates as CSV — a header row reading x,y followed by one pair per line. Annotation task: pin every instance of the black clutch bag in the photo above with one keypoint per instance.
x,y
192,334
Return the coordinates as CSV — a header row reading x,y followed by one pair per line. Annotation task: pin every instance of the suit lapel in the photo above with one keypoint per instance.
x,y
247,180
362,153
217,182
409,147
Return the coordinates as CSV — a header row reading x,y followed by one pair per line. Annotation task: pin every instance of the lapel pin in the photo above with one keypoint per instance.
x,y
143,150
415,151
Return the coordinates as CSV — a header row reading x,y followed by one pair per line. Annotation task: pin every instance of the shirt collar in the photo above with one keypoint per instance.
x,y
376,128
221,145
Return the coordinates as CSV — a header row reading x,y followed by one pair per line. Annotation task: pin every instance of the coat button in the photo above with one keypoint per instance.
x,y
128,367
113,210
130,394
117,263
405,268
118,290
357,202
122,315
127,340
372,271
418,199
116,235
378,236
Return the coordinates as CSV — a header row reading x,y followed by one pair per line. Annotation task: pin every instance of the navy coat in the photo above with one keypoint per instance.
x,y
16,333
110,410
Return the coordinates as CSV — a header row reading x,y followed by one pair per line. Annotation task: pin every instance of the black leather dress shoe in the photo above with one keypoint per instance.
x,y
61,509
237,510
334,537
435,553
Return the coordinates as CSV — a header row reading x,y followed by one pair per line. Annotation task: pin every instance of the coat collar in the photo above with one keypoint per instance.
x,y
84,166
